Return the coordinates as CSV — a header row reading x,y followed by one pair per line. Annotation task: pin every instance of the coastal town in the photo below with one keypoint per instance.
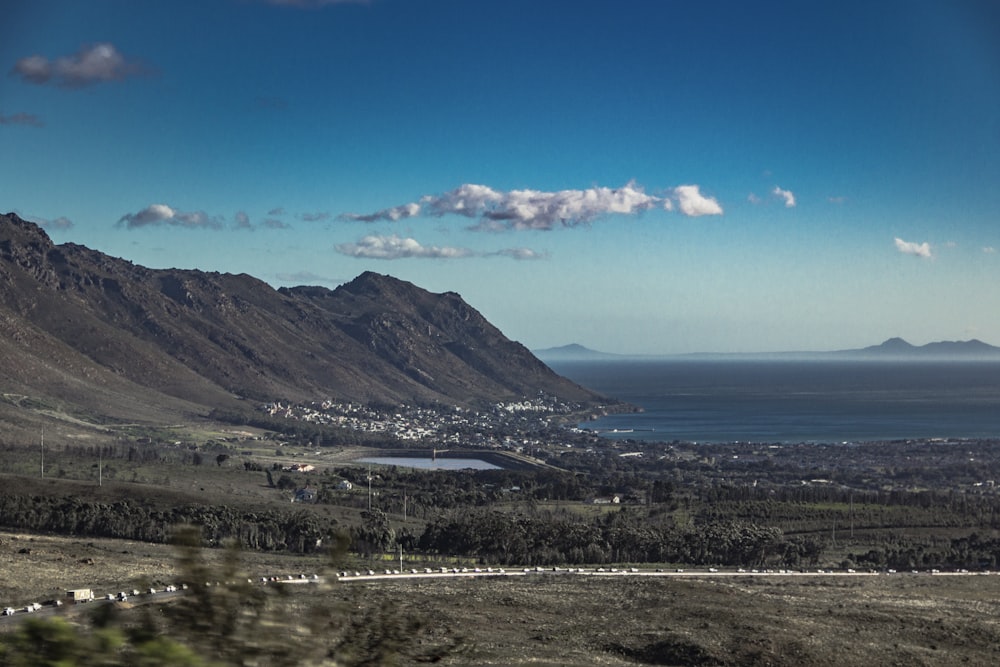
x,y
551,431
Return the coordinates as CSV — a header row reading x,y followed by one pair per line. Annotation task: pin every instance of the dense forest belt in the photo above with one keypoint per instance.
x,y
494,536
296,531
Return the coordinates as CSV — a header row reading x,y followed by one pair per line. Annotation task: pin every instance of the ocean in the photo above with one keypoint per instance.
x,y
785,401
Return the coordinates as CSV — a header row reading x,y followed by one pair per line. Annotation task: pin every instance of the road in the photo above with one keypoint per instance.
x,y
352,576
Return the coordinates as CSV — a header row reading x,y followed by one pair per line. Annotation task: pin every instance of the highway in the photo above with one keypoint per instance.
x,y
13,615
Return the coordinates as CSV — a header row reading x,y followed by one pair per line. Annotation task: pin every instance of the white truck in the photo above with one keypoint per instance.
x,y
80,595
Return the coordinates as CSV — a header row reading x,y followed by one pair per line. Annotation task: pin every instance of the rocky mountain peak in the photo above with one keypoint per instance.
x,y
207,337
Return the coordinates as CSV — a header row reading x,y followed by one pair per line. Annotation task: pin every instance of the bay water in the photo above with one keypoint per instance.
x,y
792,401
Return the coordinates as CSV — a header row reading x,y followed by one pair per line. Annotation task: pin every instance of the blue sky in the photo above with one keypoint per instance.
x,y
636,176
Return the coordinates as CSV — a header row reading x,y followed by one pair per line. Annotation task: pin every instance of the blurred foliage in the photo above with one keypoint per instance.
x,y
221,619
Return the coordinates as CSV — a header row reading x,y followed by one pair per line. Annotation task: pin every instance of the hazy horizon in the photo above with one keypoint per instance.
x,y
571,348
643,177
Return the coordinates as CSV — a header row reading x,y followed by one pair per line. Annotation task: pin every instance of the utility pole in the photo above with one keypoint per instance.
x,y
852,515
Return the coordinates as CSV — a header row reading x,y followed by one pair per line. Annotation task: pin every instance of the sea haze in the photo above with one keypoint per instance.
x,y
785,401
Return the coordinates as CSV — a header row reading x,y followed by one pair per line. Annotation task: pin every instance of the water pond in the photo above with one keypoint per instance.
x,y
427,463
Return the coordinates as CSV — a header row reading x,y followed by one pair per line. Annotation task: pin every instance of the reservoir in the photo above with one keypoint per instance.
x,y
427,463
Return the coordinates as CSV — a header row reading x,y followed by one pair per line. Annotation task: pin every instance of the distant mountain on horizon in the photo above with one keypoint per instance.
x,y
897,347
892,348
575,352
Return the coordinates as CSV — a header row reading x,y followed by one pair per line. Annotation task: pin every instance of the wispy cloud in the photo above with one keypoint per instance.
x,y
393,246
306,278
390,214
786,195
911,248
160,214
692,203
989,250
90,65
523,254
315,217
276,211
535,209
397,247
156,215
22,119
59,223
242,220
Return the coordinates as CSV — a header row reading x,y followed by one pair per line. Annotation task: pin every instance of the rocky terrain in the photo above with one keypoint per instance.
x,y
83,333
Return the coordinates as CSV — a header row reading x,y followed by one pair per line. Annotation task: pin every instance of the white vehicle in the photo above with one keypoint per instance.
x,y
9,611
122,597
80,595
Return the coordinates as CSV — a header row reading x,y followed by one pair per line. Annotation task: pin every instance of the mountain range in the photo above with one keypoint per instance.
x,y
84,332
891,349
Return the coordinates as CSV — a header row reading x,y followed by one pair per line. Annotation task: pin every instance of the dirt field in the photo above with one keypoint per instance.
x,y
567,620
561,619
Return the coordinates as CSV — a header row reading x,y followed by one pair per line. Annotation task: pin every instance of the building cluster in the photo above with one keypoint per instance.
x,y
500,425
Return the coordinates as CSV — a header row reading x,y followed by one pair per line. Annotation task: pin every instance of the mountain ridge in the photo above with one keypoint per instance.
x,y
104,334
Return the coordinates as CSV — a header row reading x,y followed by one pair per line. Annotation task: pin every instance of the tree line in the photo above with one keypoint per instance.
x,y
295,531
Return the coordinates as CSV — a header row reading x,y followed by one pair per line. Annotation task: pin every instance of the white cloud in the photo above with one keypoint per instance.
x,y
989,250
498,210
693,203
915,249
397,247
786,195
521,254
753,199
376,246
161,214
391,214
89,65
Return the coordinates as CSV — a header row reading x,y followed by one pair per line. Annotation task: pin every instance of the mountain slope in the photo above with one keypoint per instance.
x,y
84,327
